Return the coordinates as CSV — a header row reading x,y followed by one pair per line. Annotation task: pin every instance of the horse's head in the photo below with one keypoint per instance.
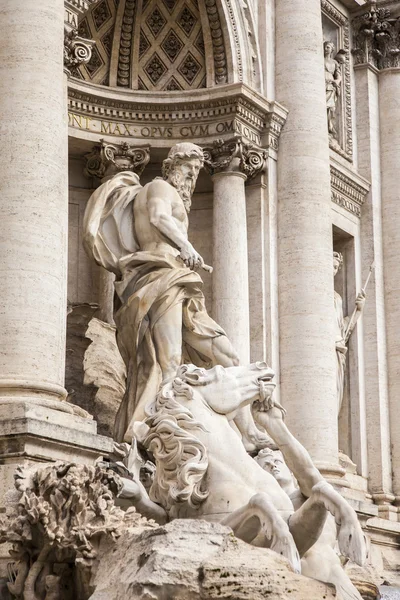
x,y
225,389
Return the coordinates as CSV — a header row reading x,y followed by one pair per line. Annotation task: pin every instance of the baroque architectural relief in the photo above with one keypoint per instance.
x,y
218,153
222,154
106,159
377,38
342,23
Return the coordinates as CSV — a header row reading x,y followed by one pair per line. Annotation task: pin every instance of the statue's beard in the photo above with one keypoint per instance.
x,y
184,187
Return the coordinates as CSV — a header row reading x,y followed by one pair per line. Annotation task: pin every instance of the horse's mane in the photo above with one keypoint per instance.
x,y
181,458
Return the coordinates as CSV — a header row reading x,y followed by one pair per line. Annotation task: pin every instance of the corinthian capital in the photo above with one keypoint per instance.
x,y
376,38
107,159
234,155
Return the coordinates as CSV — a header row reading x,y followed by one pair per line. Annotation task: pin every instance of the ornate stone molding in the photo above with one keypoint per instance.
x,y
220,62
348,189
234,155
220,112
376,38
275,122
107,159
343,23
239,50
125,45
77,50
74,9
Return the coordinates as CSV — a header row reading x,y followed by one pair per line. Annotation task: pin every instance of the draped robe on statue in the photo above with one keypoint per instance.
x,y
148,285
341,324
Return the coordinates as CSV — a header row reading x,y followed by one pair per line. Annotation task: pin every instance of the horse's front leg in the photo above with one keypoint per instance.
x,y
351,538
261,516
307,522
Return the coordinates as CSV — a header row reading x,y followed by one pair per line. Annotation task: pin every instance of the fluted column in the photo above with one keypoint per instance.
x,y
307,356
33,200
231,163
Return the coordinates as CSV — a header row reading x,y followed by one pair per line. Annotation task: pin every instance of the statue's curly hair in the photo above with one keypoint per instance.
x,y
181,458
181,151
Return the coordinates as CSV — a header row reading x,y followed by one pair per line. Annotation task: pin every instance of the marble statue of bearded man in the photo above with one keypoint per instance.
x,y
141,234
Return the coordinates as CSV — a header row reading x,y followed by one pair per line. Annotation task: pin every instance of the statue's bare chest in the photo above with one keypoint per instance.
x,y
179,212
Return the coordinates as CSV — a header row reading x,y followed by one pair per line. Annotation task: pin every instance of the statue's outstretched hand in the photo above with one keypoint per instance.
x,y
191,257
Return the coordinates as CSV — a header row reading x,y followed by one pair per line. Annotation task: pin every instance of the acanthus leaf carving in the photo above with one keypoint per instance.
x,y
376,38
108,159
219,157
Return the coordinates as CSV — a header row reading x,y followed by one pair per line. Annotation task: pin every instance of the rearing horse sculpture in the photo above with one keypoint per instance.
x,y
204,472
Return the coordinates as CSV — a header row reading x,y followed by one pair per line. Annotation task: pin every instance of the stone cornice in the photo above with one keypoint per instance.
x,y
348,189
167,117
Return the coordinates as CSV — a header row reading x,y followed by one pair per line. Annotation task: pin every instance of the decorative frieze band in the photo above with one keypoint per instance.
x,y
218,113
234,155
376,38
346,191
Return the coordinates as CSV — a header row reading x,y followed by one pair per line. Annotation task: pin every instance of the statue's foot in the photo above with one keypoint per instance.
x,y
257,440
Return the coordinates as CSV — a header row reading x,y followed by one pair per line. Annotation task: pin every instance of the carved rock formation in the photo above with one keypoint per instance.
x,y
105,369
57,521
197,560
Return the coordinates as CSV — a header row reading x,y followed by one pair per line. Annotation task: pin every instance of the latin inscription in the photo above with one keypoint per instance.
x,y
71,18
190,132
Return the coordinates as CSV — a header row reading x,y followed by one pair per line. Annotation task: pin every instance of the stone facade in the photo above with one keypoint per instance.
x,y
302,154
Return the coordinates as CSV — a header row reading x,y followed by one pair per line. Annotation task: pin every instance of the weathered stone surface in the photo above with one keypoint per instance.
x,y
104,368
389,593
95,372
78,319
197,560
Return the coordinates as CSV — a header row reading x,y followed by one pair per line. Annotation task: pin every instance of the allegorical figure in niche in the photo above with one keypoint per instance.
x,y
141,235
333,80
344,327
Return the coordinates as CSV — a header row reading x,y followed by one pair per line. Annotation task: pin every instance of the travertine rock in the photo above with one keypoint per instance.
x,y
104,368
79,394
197,560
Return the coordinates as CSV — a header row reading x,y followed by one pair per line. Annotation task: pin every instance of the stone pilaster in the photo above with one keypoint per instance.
x,y
308,372
376,49
231,163
389,110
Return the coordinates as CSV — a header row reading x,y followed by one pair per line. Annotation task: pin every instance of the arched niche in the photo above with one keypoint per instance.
x,y
171,45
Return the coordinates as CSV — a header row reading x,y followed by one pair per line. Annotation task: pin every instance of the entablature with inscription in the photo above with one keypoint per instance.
x,y
166,118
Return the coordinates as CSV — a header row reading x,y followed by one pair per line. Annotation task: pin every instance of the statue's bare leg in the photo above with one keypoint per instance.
x,y
167,335
220,351
260,515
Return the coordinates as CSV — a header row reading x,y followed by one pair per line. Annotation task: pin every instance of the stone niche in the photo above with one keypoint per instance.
x,y
336,29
